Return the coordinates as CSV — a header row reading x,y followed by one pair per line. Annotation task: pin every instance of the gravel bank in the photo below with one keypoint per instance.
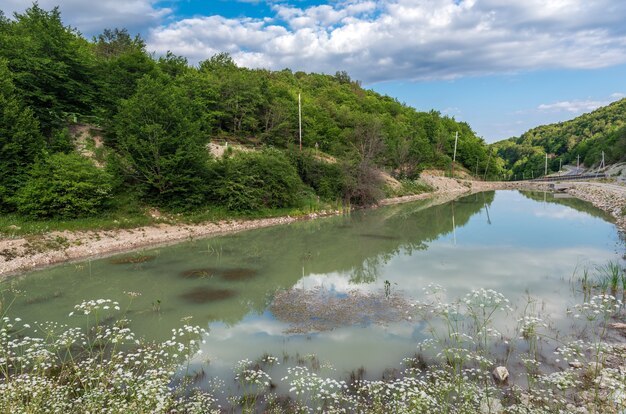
x,y
19,255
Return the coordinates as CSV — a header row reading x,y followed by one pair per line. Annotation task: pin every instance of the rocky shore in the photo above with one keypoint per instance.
x,y
19,255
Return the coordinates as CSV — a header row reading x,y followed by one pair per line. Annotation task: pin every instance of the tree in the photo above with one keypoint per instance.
x,y
63,186
162,145
122,62
52,65
20,140
364,188
112,43
173,65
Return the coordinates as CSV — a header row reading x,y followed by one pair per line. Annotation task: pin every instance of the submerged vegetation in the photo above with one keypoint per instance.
x,y
101,366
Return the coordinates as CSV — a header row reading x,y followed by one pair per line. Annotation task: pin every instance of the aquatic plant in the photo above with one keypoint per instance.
x,y
611,272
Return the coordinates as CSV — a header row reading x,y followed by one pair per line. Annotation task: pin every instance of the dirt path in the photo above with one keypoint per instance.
x,y
19,255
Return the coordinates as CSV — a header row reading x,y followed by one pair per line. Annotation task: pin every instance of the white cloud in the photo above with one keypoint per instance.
x,y
575,106
618,95
92,17
377,40
411,39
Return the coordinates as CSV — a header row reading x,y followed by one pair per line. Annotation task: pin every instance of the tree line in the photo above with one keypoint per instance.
x,y
157,115
582,139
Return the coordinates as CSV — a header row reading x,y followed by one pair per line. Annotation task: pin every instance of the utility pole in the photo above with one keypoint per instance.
x,y
602,163
456,139
300,120
578,163
477,166
546,170
560,161
487,167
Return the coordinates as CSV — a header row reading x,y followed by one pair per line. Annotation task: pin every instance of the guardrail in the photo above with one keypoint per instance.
x,y
572,177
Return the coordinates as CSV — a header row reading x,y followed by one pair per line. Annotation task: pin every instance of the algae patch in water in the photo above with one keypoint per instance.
x,y
132,259
233,275
321,310
35,300
199,273
204,295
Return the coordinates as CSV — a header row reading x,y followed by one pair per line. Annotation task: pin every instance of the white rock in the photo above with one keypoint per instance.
x,y
576,364
500,374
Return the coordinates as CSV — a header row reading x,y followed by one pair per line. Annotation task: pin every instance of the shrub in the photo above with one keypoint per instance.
x,y
64,186
255,180
328,179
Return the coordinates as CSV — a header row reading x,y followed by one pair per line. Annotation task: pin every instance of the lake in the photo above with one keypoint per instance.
x,y
344,286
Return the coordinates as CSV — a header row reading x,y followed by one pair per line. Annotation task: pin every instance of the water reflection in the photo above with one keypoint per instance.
x,y
512,242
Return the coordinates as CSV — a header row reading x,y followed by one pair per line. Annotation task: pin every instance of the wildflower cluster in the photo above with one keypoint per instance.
x,y
600,307
89,306
256,377
486,299
315,390
529,326
72,370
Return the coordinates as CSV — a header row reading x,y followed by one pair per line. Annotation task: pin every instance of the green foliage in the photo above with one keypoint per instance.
x,y
326,177
408,187
52,65
161,144
20,140
173,65
113,43
157,115
586,136
63,186
122,62
61,141
255,180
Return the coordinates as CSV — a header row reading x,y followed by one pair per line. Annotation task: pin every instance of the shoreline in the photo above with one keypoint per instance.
x,y
31,253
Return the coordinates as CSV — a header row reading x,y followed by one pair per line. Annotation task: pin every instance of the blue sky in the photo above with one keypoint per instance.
x,y
502,66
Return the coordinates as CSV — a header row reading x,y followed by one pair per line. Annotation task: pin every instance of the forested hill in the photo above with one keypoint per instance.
x,y
587,135
158,114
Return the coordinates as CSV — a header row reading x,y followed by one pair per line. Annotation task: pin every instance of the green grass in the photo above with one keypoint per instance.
x,y
128,213
408,187
125,212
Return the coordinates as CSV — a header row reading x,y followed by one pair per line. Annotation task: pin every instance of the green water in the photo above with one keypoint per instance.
x,y
519,244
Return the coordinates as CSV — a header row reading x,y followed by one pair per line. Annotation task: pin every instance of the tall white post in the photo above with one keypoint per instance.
x,y
300,120
546,170
456,139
